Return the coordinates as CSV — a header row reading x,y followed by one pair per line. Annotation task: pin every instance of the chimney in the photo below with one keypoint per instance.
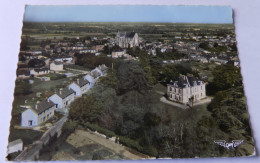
x,y
60,90
36,106
78,81
48,100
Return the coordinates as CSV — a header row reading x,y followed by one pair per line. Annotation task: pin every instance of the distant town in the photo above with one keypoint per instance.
x,y
91,91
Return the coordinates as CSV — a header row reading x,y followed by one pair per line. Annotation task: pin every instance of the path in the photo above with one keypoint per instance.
x,y
81,71
183,106
117,148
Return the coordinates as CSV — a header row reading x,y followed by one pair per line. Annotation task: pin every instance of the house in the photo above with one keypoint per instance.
x,y
118,54
96,73
22,73
41,112
56,66
63,97
65,60
39,71
185,89
81,86
125,40
218,61
103,69
90,79
15,146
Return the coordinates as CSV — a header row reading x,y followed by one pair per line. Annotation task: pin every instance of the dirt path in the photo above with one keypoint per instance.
x,y
183,106
117,148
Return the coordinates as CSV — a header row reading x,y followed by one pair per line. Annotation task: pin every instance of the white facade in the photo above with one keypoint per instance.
x,y
91,80
56,66
62,102
79,90
31,118
67,60
184,91
118,54
15,146
36,72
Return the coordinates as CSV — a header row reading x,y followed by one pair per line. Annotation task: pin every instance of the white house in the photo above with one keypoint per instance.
x,y
90,79
41,112
81,86
96,73
63,98
56,66
118,54
65,60
15,146
39,71
187,88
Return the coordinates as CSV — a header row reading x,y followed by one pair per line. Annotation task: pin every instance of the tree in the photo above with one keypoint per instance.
x,y
226,76
131,77
169,72
36,63
85,109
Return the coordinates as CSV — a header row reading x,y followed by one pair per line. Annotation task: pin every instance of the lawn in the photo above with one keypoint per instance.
x,y
79,147
28,136
39,85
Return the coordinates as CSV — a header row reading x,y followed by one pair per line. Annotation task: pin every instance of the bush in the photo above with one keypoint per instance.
x,y
130,143
95,127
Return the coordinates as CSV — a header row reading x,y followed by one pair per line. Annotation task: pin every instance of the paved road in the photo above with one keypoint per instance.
x,y
117,148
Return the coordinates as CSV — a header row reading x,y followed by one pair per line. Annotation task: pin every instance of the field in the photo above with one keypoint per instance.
x,y
78,146
27,135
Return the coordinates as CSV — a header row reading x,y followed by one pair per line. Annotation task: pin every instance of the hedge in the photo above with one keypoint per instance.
x,y
95,127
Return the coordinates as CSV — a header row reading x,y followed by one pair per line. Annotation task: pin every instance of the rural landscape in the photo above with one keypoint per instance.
x,y
97,91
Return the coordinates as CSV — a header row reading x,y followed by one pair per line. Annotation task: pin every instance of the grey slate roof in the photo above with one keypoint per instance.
x,y
95,74
65,92
126,34
130,35
186,81
81,82
42,106
103,67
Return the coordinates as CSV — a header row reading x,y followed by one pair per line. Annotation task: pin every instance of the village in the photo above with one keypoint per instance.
x,y
53,72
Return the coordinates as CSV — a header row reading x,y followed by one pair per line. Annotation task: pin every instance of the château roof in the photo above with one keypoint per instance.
x,y
186,81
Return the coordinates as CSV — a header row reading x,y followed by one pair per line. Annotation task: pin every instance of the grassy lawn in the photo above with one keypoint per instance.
x,y
39,85
79,147
27,135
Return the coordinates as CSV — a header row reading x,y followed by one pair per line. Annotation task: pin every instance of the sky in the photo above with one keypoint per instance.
x,y
129,13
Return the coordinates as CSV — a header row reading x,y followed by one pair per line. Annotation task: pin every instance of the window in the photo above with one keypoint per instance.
x,y
201,87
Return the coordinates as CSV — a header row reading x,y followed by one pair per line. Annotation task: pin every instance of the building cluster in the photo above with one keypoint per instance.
x,y
60,100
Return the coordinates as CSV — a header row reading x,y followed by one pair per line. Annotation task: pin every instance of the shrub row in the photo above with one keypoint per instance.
x,y
95,127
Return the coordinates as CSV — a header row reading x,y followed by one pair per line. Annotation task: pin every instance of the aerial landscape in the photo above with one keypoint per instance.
x,y
128,90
